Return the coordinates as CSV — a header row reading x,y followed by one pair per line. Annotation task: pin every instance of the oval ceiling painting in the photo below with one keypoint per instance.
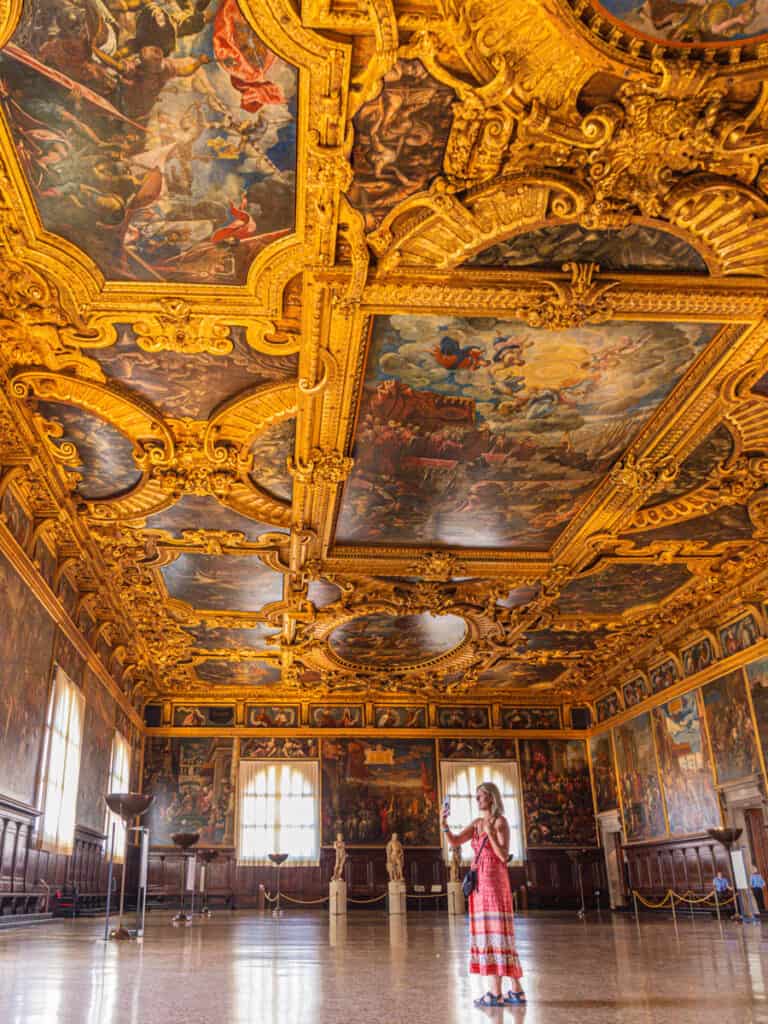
x,y
691,24
380,640
161,140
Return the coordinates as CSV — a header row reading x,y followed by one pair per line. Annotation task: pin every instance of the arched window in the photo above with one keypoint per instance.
x,y
460,780
278,812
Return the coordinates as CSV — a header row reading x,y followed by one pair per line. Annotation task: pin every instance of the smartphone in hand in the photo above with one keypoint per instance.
x,y
446,806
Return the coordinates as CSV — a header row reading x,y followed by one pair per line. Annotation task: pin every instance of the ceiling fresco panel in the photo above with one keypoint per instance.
x,y
107,466
161,141
204,512
689,24
184,385
379,639
237,673
712,452
222,582
215,637
619,587
490,432
400,137
725,524
270,452
635,247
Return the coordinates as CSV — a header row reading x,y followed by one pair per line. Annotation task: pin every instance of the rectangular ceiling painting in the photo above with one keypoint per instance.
x,y
489,430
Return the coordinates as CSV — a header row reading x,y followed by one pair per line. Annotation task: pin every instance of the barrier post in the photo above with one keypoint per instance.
x,y
674,910
717,907
637,915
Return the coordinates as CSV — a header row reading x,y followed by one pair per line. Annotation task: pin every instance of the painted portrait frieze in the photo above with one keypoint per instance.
x,y
462,718
635,691
530,718
401,716
160,139
739,635
269,716
258,747
203,716
379,639
469,749
698,656
635,247
663,675
491,430
607,706
336,716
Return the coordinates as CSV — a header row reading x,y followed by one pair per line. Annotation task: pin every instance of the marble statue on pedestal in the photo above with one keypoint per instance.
x,y
395,858
341,858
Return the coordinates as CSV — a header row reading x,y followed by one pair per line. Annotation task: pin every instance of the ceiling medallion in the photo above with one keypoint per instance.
x,y
379,640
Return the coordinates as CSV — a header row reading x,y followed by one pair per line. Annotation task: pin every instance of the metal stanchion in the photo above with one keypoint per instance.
x,y
637,913
674,909
717,909
109,882
141,896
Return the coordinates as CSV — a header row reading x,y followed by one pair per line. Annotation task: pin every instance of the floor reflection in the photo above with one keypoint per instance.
x,y
249,968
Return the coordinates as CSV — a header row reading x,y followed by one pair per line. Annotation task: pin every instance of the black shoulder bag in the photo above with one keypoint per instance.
x,y
470,879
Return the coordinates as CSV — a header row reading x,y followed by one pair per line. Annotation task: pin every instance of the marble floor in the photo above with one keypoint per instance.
x,y
249,967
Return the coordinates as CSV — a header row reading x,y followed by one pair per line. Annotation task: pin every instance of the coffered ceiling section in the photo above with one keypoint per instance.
x,y
386,348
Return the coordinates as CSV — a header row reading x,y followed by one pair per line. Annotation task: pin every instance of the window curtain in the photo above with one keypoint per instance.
x,y
278,812
460,780
119,782
61,766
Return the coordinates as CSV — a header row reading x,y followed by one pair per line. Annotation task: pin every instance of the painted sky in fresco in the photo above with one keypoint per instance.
x,y
397,639
182,385
204,512
222,582
270,451
492,433
106,465
635,247
703,21
159,138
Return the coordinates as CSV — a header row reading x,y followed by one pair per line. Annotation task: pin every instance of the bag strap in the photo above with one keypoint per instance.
x,y
482,847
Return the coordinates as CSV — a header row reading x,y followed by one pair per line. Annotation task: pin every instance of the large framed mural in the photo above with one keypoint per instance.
x,y
372,787
25,679
686,773
731,731
641,799
191,781
557,793
757,674
603,773
96,754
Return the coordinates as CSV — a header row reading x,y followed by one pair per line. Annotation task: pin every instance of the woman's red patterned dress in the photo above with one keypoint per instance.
x,y
491,921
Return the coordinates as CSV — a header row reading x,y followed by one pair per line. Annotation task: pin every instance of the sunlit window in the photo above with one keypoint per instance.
x,y
278,811
61,766
119,782
460,780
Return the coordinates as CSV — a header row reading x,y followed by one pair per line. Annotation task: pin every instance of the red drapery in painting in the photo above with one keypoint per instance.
x,y
245,58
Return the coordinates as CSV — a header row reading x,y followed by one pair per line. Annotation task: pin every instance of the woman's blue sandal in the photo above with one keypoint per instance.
x,y
489,999
515,998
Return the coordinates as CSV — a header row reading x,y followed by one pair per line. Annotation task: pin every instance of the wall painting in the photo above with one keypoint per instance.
x,y
604,772
203,716
530,718
686,772
607,706
191,780
374,787
257,747
336,716
640,789
634,691
663,675
557,793
757,674
463,718
405,716
268,716
698,656
731,732
739,635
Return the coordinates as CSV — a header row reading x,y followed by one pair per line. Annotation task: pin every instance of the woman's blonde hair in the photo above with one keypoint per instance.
x,y
497,804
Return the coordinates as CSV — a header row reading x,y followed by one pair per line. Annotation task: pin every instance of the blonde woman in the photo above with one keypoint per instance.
x,y
491,925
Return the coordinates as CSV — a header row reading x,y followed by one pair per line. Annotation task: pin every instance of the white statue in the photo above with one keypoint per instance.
x,y
395,859
341,858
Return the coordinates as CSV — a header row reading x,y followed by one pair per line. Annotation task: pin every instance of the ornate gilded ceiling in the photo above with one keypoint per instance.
x,y
389,348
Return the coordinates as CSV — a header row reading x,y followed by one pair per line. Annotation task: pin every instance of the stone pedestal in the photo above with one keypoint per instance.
x,y
396,893
455,898
337,902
